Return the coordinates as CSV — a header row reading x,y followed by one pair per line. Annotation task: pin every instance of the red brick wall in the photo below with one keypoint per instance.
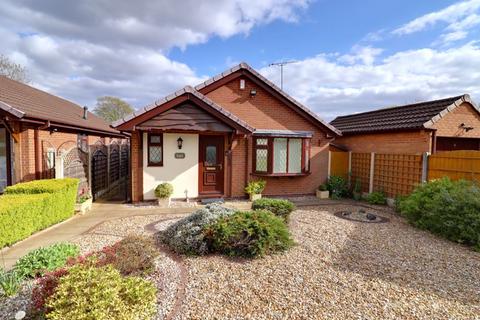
x,y
409,142
449,126
264,111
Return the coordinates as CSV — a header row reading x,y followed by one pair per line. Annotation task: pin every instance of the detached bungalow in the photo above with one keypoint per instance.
x,y
431,126
209,141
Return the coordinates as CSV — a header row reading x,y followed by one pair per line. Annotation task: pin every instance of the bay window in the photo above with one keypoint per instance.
x,y
279,156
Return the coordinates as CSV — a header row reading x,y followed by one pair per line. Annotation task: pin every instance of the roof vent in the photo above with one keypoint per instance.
x,y
85,112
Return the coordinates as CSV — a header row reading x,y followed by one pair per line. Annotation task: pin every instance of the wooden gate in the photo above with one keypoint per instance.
x,y
76,166
339,164
99,173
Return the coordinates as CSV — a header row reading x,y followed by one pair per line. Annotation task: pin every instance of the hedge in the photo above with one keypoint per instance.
x,y
33,206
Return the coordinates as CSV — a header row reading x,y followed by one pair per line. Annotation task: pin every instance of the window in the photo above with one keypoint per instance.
x,y
155,149
82,142
281,156
50,158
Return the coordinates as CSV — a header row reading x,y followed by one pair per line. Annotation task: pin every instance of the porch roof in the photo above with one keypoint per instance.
x,y
129,122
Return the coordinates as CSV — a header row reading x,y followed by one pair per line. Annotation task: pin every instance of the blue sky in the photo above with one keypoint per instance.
x,y
351,56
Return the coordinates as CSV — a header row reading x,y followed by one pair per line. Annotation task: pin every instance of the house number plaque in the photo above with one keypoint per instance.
x,y
179,155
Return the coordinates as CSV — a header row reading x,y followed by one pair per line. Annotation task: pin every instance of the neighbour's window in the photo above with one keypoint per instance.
x,y
155,149
82,142
50,158
281,156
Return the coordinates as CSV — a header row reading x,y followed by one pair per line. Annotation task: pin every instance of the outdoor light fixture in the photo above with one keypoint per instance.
x,y
179,142
253,92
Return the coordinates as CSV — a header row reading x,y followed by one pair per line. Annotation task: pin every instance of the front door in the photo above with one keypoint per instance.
x,y
211,166
4,159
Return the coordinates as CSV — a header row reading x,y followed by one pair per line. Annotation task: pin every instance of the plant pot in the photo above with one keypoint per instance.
x,y
323,194
254,197
164,202
84,207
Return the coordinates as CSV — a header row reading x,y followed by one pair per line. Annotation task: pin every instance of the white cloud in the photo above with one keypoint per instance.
x,y
363,54
85,49
459,17
332,88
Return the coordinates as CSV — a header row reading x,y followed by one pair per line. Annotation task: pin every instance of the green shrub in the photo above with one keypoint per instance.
x,y
377,197
164,190
398,202
42,260
10,282
43,186
25,210
279,207
88,292
448,208
322,187
337,186
186,235
248,234
255,187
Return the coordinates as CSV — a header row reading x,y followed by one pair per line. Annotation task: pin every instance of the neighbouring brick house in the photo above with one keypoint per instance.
x,y
209,141
36,126
440,125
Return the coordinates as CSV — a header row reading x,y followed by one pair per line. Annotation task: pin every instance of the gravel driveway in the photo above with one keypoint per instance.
x,y
340,270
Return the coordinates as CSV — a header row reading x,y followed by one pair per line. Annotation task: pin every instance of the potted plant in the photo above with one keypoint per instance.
x,y
255,189
163,192
322,192
84,203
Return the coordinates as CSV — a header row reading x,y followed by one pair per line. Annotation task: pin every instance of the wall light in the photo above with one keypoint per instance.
x,y
253,92
179,142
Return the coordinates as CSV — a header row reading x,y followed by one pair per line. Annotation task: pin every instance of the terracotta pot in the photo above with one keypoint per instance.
x,y
323,194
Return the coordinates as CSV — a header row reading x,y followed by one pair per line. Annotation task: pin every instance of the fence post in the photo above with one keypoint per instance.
x,y
349,173
425,166
89,168
372,171
329,171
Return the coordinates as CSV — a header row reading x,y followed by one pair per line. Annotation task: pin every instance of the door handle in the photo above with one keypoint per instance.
x,y
220,166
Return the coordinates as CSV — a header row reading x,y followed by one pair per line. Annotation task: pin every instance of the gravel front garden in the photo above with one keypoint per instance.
x,y
337,269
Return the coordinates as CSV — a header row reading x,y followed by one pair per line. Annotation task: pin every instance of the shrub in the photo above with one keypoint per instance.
x,y
448,208
255,187
88,292
186,235
45,287
164,190
377,197
279,207
322,187
25,210
248,234
38,261
133,255
10,282
337,186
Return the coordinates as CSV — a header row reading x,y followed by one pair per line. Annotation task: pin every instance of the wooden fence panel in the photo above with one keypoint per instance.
x,y
339,164
455,164
361,170
397,174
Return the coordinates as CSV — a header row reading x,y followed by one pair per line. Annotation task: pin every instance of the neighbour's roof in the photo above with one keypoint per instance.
x,y
283,133
23,101
407,117
189,90
245,66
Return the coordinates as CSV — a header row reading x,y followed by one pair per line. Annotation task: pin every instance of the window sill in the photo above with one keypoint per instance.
x,y
279,175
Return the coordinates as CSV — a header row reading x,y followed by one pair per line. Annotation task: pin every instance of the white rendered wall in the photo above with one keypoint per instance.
x,y
181,173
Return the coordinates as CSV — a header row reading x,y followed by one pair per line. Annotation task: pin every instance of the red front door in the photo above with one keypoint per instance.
x,y
211,165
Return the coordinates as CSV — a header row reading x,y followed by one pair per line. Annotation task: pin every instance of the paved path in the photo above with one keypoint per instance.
x,y
78,225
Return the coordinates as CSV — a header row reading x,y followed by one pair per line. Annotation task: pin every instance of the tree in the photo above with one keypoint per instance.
x,y
13,70
112,108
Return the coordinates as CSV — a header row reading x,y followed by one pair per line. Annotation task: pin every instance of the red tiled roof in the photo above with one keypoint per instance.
x,y
24,101
407,117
